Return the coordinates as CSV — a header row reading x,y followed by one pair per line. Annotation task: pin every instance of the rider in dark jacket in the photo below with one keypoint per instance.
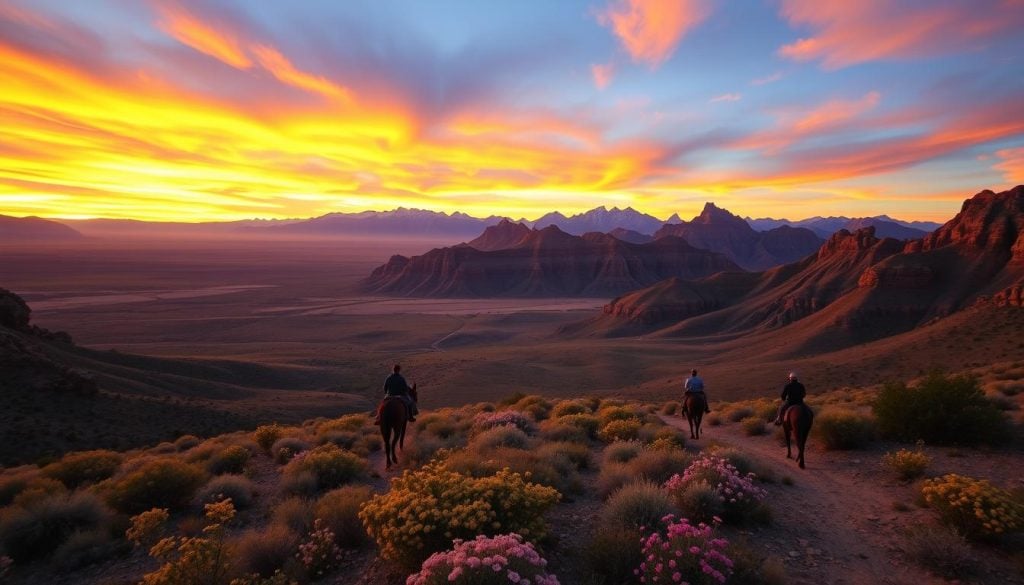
x,y
395,385
792,394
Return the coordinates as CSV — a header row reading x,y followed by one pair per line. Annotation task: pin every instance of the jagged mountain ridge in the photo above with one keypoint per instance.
x,y
885,226
600,219
720,231
542,263
857,287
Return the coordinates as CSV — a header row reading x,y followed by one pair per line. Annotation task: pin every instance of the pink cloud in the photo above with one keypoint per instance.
x,y
650,30
1012,164
602,74
792,126
767,79
847,33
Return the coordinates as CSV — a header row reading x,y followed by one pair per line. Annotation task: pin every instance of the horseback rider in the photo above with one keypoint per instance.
x,y
695,385
792,394
396,387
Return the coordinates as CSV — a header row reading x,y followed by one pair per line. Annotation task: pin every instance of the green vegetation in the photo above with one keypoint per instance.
x,y
940,410
841,429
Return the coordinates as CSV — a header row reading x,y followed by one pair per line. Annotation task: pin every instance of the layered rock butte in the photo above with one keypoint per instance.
x,y
868,287
512,260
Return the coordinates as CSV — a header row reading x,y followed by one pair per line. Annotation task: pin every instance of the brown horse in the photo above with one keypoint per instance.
x,y
394,416
796,425
694,406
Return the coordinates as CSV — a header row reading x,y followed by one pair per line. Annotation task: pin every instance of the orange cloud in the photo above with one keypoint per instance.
x,y
602,74
847,33
280,67
650,30
835,112
190,30
1012,165
794,126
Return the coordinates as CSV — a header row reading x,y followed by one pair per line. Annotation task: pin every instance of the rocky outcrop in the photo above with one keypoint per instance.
x,y
507,234
24,364
718,230
546,263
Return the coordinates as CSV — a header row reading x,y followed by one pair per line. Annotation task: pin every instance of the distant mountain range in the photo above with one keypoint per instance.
x,y
454,226
512,260
34,229
885,226
857,287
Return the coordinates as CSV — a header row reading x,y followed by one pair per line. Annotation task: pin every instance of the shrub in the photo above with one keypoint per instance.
x,y
941,552
975,508
37,490
556,471
338,510
86,547
613,554
840,429
447,505
76,469
698,501
740,498
681,552
506,436
907,464
319,555
554,430
161,483
237,488
536,406
569,407
671,408
940,410
190,560
490,420
612,477
231,459
501,559
636,505
608,414
739,413
13,485
620,430
266,435
186,442
751,567
34,532
578,455
263,552
295,513
285,448
753,426
622,451
278,578
666,437
588,422
658,465
329,464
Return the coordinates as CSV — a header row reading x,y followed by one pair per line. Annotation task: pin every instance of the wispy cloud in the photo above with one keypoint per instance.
x,y
767,79
602,74
726,97
848,33
214,41
650,30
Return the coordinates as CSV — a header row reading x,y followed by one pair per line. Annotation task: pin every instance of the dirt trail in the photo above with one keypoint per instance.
x,y
837,522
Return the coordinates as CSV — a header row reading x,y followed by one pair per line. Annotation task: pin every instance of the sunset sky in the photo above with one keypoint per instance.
x,y
232,109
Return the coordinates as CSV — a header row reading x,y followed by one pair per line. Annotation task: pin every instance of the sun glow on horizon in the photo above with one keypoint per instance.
x,y
202,112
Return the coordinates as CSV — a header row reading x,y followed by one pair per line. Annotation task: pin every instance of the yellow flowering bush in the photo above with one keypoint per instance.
x,y
906,463
191,560
620,430
974,507
427,509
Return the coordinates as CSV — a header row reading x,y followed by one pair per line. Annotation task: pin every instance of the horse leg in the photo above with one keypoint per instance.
x,y
801,441
700,421
785,431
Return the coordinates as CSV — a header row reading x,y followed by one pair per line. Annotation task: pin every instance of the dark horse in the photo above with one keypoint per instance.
x,y
394,416
694,406
796,425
